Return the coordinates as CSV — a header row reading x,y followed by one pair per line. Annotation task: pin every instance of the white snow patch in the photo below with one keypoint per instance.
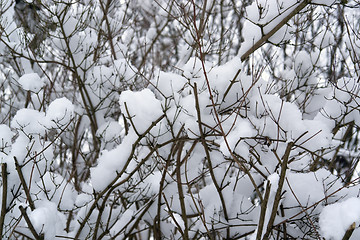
x,y
46,219
142,106
109,131
336,218
303,64
5,136
110,162
324,2
31,82
30,121
60,110
274,180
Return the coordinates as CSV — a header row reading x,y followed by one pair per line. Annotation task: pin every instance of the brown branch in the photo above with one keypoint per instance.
x,y
263,210
4,196
28,222
23,183
201,211
138,215
156,38
349,231
172,215
157,222
105,10
207,152
180,189
266,37
130,119
277,199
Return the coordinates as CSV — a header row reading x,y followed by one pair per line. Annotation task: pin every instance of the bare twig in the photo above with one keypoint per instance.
x,y
23,183
181,193
28,222
277,199
349,231
207,152
4,196
263,210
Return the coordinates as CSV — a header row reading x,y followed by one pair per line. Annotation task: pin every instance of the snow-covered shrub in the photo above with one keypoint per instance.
x,y
179,119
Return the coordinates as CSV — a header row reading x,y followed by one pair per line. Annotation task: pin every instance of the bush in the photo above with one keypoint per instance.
x,y
179,119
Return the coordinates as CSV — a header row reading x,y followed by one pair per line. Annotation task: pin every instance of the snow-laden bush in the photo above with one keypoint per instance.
x,y
179,120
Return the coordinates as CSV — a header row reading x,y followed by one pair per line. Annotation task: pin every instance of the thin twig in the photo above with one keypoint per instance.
x,y
4,196
114,183
181,192
277,199
28,222
207,152
23,183
172,215
316,203
263,211
202,58
306,214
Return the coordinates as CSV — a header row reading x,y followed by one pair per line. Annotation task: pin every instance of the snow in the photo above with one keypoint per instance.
x,y
29,121
299,184
259,115
221,76
177,220
303,64
152,182
192,70
31,82
324,2
266,14
344,86
271,110
5,136
143,108
125,219
243,129
336,218
274,180
151,34
111,162
333,109
109,131
281,35
83,199
46,219
253,33
124,69
324,39
169,83
70,25
128,35
60,111
59,190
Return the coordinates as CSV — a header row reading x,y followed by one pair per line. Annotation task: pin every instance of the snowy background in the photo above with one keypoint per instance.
x,y
200,119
